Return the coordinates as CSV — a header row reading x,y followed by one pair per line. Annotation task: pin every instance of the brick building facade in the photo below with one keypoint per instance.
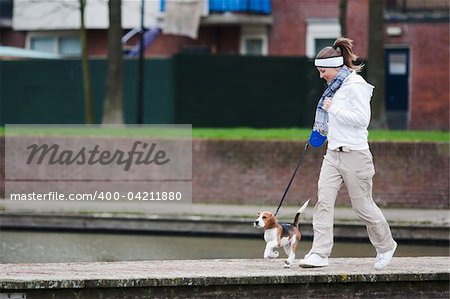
x,y
416,38
426,37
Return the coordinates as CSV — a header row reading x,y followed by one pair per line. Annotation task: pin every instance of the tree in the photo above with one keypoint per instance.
x,y
87,90
375,69
343,17
113,104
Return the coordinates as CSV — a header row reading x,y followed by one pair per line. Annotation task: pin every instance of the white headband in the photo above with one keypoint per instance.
x,y
329,62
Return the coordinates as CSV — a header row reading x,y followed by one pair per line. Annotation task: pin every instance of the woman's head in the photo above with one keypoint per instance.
x,y
330,59
328,73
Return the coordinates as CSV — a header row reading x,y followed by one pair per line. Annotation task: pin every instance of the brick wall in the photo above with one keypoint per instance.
x,y
358,26
429,87
409,175
12,38
429,92
428,42
287,36
223,40
97,43
412,175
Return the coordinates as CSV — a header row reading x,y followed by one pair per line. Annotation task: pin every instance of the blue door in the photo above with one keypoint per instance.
x,y
397,87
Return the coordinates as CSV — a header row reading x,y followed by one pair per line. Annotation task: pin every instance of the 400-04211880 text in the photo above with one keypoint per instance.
x,y
100,195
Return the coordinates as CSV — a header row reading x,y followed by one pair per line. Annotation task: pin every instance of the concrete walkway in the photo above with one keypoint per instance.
x,y
228,277
434,217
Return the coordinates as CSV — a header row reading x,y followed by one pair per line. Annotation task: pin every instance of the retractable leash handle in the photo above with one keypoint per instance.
x,y
316,139
292,178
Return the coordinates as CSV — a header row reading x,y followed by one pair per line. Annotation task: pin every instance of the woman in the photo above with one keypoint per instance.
x,y
342,117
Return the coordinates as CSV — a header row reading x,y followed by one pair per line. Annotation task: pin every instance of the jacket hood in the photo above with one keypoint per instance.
x,y
354,78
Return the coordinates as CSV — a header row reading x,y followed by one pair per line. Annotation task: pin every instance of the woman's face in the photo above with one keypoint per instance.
x,y
327,73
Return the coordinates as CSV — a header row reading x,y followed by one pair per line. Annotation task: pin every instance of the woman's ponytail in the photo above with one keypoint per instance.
x,y
344,47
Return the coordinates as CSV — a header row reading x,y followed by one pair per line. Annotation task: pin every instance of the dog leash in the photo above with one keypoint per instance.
x,y
292,178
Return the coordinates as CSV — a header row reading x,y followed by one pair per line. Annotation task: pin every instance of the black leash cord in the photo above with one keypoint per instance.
x,y
292,178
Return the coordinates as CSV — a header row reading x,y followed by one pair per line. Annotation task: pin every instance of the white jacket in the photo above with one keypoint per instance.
x,y
349,114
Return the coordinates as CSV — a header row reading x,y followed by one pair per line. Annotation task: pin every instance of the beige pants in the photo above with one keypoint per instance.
x,y
354,169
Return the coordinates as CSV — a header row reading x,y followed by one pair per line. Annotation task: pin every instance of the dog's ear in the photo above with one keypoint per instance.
x,y
270,220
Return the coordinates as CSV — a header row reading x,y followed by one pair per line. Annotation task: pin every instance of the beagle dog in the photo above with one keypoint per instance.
x,y
280,234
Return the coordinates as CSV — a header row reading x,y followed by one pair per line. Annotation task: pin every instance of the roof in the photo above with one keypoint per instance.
x,y
18,53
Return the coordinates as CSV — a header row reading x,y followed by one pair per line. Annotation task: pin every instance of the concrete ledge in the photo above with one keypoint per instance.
x,y
227,278
206,225
236,19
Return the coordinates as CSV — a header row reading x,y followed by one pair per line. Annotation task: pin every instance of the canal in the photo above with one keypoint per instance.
x,y
46,247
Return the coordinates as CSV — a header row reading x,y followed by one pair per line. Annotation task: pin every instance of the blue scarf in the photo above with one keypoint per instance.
x,y
320,128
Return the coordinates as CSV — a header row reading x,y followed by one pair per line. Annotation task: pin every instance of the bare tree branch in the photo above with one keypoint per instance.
x,y
113,107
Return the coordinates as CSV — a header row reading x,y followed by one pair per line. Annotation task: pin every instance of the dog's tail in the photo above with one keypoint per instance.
x,y
301,210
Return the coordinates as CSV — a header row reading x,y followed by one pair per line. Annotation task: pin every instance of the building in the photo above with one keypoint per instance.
x,y
416,39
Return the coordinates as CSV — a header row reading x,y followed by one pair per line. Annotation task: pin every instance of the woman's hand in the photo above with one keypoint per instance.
x,y
327,104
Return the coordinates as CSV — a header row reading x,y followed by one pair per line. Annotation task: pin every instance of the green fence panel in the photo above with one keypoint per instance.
x,y
202,90
159,105
227,91
51,91
36,92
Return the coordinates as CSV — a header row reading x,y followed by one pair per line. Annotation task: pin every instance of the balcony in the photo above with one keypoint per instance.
x,y
242,6
235,12
417,10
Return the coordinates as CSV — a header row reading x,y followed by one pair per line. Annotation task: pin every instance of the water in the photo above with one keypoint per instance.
x,y
39,247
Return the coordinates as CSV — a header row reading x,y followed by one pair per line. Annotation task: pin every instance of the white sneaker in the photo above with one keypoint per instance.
x,y
383,259
313,260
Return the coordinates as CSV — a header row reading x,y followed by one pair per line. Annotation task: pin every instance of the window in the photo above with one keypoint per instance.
x,y
43,44
65,45
253,46
417,5
416,10
397,63
69,46
321,33
6,9
254,40
320,43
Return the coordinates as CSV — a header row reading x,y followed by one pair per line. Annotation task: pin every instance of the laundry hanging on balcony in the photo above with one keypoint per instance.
x,y
149,36
182,17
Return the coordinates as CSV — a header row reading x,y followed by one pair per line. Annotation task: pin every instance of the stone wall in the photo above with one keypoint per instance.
x,y
410,175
